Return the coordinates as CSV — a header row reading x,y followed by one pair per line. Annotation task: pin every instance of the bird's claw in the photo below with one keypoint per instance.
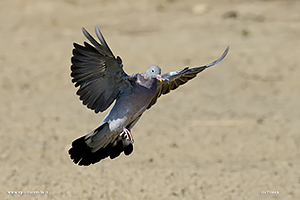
x,y
127,135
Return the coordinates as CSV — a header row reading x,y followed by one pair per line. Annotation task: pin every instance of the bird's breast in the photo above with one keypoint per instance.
x,y
131,104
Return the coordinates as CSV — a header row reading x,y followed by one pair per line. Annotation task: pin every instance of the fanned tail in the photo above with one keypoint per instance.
x,y
82,154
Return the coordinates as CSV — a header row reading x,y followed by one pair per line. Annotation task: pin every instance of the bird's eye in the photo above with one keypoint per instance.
x,y
152,70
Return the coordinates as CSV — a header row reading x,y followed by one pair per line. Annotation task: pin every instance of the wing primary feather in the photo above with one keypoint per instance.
x,y
101,38
86,52
220,59
93,41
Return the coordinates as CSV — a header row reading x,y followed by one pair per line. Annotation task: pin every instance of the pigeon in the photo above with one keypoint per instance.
x,y
102,81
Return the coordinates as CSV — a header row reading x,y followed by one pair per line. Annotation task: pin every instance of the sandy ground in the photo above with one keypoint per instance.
x,y
231,133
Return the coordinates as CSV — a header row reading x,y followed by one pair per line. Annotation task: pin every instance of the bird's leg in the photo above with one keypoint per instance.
x,y
127,134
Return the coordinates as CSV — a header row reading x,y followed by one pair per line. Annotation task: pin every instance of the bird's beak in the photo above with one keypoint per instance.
x,y
159,78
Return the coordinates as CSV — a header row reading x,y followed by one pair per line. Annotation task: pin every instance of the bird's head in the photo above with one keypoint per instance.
x,y
154,72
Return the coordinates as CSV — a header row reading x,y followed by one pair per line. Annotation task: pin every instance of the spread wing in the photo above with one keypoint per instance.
x,y
172,80
98,73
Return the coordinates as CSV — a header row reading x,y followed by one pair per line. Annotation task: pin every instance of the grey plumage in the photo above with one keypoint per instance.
x,y
101,81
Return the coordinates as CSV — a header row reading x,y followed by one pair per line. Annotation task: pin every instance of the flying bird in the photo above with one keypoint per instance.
x,y
101,81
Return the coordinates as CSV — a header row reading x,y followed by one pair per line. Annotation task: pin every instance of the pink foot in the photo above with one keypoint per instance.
x,y
127,134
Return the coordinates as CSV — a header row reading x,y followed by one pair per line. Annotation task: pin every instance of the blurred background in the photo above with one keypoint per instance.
x,y
230,133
